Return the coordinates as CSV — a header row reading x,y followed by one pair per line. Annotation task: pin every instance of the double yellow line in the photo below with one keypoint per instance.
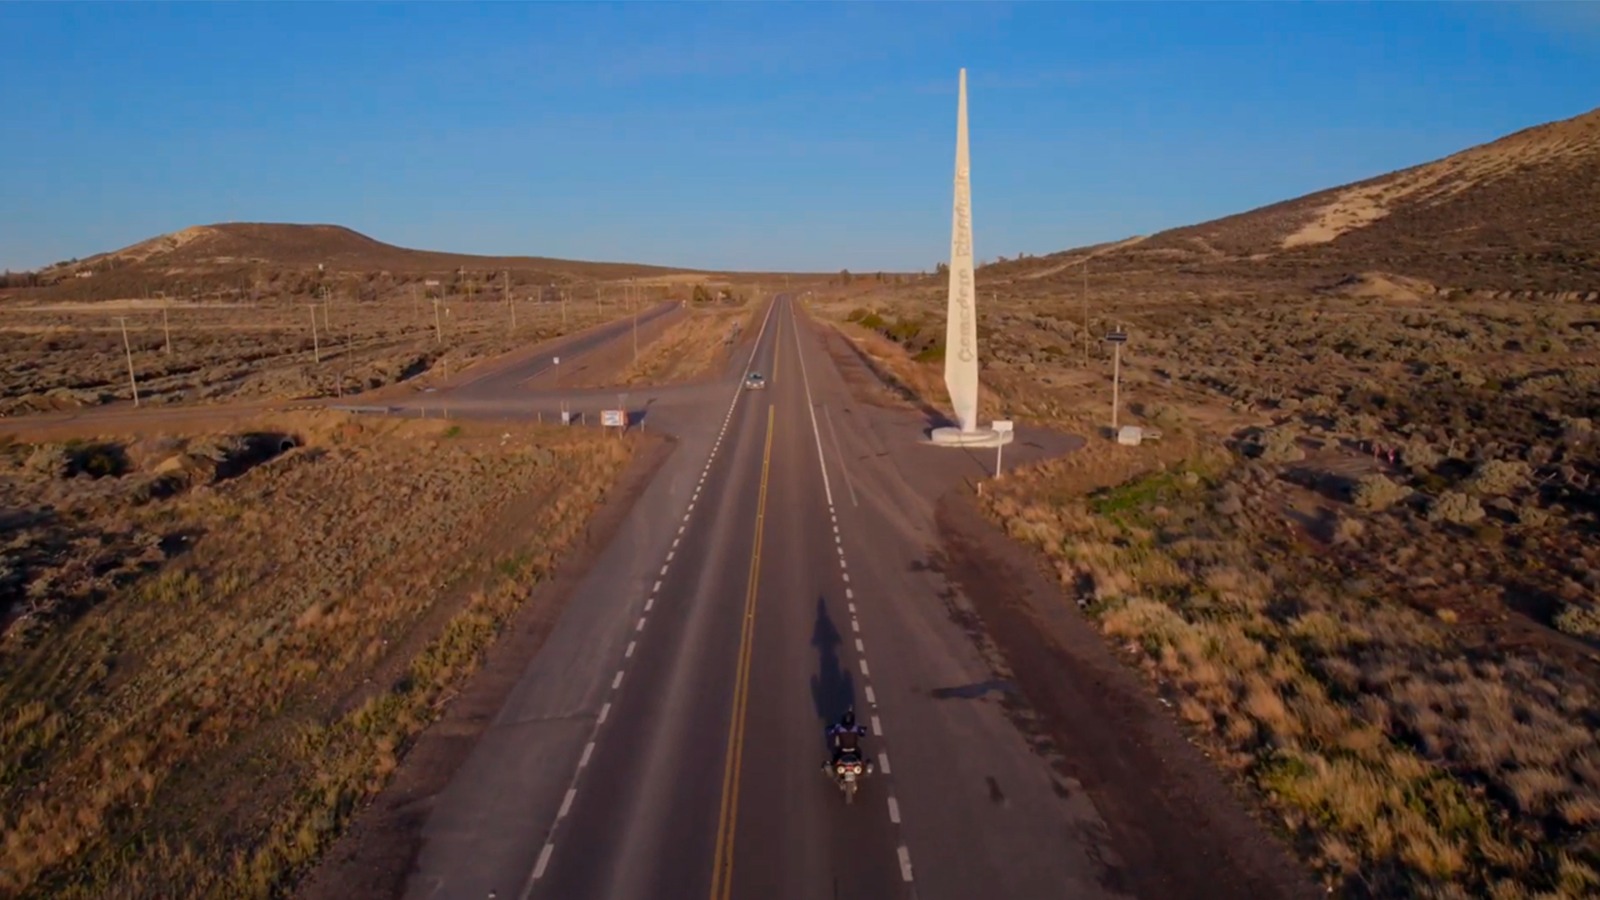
x,y
722,863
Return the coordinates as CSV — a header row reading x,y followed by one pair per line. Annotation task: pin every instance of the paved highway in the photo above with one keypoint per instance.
x,y
666,742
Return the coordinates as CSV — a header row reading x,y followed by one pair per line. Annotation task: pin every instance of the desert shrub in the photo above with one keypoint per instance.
x,y
1498,476
1280,445
1419,455
50,460
1376,492
1348,530
1579,620
857,314
1533,516
1456,508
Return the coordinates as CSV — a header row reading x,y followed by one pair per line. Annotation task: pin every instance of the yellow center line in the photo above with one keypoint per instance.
x,y
727,821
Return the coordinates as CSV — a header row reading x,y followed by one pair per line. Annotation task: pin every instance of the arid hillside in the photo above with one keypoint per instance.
x,y
1517,214
244,260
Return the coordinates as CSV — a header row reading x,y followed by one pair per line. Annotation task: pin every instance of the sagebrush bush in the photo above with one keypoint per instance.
x,y
1456,508
1377,492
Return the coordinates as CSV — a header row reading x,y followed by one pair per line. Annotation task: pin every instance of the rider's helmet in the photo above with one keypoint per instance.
x,y
848,720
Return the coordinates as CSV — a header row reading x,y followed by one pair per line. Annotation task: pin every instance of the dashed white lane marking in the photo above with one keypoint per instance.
x,y
859,647
545,853
877,727
850,595
905,863
894,811
847,576
855,626
539,867
871,697
852,605
883,763
841,555
865,672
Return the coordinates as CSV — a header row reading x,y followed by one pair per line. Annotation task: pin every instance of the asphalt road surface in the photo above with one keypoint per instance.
x,y
667,740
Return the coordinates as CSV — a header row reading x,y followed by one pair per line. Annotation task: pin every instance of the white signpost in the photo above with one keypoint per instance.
x,y
1001,427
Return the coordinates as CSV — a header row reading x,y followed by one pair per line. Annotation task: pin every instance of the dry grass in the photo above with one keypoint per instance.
x,y
203,718
689,348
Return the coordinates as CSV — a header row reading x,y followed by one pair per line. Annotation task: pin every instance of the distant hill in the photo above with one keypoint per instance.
x,y
273,258
1519,214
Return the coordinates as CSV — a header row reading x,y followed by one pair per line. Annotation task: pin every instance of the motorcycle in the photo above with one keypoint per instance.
x,y
847,771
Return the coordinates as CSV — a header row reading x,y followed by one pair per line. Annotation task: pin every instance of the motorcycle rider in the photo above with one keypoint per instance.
x,y
845,736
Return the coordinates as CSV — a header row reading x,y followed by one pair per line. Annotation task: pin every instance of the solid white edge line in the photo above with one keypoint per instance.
x,y
811,408
905,863
894,811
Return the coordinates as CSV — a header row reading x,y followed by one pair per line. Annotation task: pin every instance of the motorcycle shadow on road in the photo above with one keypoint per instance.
x,y
833,690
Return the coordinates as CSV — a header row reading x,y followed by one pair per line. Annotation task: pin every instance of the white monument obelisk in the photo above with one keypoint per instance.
x,y
961,328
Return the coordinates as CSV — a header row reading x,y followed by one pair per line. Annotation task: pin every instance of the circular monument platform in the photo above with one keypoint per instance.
x,y
977,437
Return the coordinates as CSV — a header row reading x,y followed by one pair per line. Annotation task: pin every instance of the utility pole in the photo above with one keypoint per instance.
x,y
597,311
633,303
165,329
1117,339
316,346
413,299
438,328
563,309
127,350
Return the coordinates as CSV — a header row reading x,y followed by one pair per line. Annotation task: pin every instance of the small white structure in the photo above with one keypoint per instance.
x,y
1130,435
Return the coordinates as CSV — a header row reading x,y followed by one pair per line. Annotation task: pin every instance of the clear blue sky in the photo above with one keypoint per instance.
x,y
741,135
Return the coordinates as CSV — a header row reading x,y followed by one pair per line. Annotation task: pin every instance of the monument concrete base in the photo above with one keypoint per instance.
x,y
977,437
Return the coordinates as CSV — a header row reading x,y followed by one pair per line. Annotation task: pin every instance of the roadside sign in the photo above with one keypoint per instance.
x,y
1117,337
1004,426
612,418
555,360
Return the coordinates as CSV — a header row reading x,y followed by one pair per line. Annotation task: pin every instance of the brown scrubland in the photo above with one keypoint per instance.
x,y
1361,561
218,644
